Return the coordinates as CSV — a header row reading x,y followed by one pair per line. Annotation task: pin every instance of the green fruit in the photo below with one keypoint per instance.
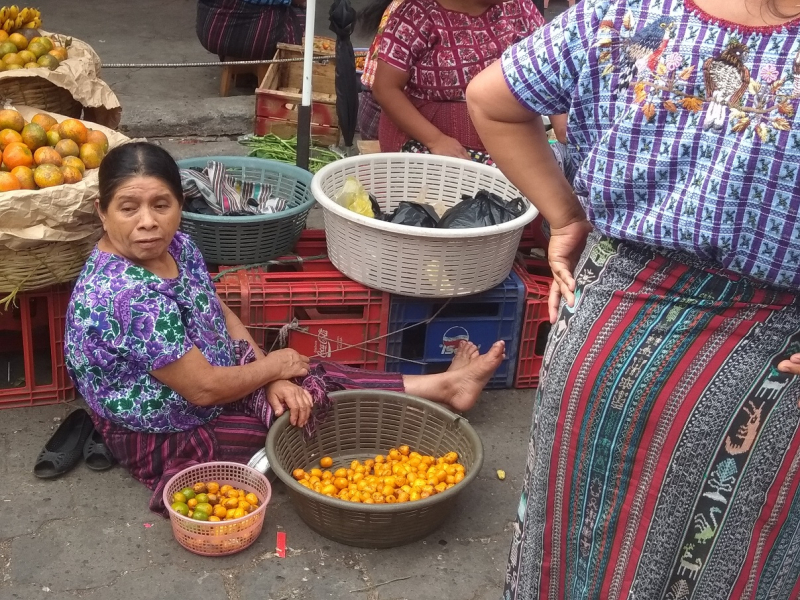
x,y
179,497
181,508
188,492
201,499
8,48
204,507
199,515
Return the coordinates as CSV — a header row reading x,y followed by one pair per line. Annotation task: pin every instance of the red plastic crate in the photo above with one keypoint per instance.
x,y
534,236
32,369
338,315
535,322
311,243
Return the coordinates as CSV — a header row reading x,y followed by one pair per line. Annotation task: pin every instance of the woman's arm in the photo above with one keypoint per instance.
x,y
237,330
516,139
389,91
203,384
559,123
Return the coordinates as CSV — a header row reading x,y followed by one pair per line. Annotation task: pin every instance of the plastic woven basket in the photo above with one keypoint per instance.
x,y
249,240
361,424
226,537
415,261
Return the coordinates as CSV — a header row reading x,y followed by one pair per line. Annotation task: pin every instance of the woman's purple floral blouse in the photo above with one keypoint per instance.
x,y
124,322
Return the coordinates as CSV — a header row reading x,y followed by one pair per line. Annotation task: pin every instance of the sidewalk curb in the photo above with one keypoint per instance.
x,y
201,117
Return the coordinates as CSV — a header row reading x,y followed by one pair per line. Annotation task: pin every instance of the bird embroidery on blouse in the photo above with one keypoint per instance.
x,y
726,79
643,50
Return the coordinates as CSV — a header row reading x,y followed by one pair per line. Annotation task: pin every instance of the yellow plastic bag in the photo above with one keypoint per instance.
x,y
354,197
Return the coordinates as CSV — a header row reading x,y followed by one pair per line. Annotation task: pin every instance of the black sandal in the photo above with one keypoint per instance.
x,y
96,454
63,450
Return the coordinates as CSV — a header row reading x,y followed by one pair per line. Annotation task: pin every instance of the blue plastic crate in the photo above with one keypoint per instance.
x,y
482,319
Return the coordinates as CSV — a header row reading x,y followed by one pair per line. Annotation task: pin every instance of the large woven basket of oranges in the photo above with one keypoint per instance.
x,y
48,184
217,508
382,469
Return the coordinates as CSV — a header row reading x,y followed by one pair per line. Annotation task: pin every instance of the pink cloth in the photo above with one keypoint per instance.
x,y
451,118
442,50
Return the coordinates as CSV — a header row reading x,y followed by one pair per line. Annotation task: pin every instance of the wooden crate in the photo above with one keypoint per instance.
x,y
278,98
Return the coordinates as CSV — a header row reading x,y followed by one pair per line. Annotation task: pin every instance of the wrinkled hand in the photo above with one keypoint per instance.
x,y
285,394
791,366
288,363
447,146
563,252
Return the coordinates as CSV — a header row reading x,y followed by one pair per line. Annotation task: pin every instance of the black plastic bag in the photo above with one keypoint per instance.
x,y
414,214
483,210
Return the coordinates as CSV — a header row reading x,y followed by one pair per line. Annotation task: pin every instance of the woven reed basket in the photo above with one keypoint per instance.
x,y
361,424
39,93
42,266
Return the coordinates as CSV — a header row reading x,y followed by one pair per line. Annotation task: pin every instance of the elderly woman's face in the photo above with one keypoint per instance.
x,y
142,219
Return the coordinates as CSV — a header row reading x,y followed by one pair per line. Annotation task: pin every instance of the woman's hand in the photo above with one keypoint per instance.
x,y
563,252
791,366
448,146
287,363
285,394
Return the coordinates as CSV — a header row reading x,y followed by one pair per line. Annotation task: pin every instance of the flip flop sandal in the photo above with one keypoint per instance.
x,y
96,454
63,450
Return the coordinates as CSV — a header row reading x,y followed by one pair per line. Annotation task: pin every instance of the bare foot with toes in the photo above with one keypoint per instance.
x,y
465,353
473,377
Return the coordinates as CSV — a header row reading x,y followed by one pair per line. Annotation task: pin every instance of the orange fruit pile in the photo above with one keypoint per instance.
x,y
45,153
28,49
399,476
212,502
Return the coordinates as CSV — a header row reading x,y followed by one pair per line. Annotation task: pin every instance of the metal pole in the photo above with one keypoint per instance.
x,y
304,112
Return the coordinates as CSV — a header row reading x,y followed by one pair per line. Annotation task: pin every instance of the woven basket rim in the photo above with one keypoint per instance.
x,y
328,204
264,164
283,423
261,508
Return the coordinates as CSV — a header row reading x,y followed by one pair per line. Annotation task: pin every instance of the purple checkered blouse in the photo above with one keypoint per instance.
x,y
683,127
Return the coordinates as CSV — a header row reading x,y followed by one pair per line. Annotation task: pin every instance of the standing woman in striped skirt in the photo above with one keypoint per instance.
x,y
664,458
249,29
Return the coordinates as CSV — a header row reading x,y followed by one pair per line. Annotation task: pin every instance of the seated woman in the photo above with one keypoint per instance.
x,y
429,51
249,29
171,375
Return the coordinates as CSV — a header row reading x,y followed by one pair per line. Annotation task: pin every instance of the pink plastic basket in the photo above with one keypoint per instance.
x,y
224,537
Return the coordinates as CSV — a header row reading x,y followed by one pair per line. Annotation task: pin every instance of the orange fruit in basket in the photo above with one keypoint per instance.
x,y
31,65
7,47
71,174
9,136
14,59
67,148
220,511
44,121
213,487
47,176
28,57
326,462
8,182
34,136
3,36
49,61
91,155
99,138
25,177
45,41
75,163
53,138
11,119
36,47
60,53
74,130
19,40
47,156
17,154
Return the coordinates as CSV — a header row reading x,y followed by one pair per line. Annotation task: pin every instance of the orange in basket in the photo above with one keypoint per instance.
x,y
209,538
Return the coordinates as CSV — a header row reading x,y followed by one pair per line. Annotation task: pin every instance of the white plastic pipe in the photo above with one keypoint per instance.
x,y
308,53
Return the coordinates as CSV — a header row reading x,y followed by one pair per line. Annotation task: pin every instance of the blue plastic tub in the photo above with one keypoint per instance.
x,y
251,240
482,319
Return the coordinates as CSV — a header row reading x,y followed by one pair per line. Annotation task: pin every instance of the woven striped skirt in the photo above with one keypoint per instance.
x,y
235,435
664,454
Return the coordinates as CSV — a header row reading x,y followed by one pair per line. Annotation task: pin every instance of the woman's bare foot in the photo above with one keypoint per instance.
x,y
473,377
465,354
